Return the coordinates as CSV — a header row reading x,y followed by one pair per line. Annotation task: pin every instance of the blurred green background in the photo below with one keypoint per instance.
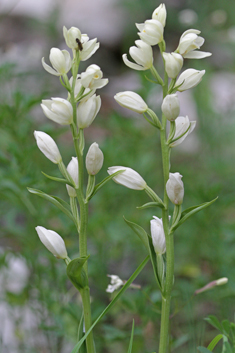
x,y
38,307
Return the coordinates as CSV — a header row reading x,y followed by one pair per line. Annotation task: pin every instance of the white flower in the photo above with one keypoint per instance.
x,y
92,78
72,169
78,85
189,79
71,37
94,159
189,41
158,235
87,111
183,127
89,47
151,31
142,54
48,146
173,64
116,283
171,106
53,242
175,188
160,14
132,101
60,60
58,110
129,178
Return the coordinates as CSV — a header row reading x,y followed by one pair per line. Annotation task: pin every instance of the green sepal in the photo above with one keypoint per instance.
x,y
124,288
190,212
90,186
132,336
169,142
176,215
143,236
150,204
76,272
60,180
103,182
161,270
61,204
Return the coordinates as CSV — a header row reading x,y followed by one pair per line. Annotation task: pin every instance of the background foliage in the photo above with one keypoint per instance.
x,y
37,298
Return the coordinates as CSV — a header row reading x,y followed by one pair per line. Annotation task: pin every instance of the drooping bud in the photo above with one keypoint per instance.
x,y
87,111
58,110
158,235
52,241
171,106
47,146
132,101
173,64
94,159
72,169
175,188
129,178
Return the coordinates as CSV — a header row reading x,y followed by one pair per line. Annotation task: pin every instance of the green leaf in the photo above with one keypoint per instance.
x,y
61,204
214,342
153,259
139,231
203,350
132,336
191,211
81,334
150,204
124,288
104,181
60,180
212,320
226,327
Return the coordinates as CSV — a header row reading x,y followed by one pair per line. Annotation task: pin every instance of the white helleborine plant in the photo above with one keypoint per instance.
x,y
94,159
87,111
189,41
132,101
142,54
151,31
47,146
183,127
175,188
72,169
171,106
53,242
189,79
60,60
129,178
173,64
58,110
160,14
92,78
158,235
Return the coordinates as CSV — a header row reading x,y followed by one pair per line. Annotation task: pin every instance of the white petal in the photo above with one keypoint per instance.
x,y
132,65
49,68
197,55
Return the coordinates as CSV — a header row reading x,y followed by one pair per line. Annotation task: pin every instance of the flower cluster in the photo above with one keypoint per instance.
x,y
78,111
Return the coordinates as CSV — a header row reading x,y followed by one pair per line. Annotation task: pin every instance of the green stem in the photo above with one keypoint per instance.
x,y
166,295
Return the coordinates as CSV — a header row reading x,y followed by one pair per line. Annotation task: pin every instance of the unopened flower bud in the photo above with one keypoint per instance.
x,y
47,146
71,36
171,106
129,178
173,64
94,159
175,188
151,31
160,14
158,235
132,101
221,281
189,79
72,169
87,111
58,110
52,241
60,60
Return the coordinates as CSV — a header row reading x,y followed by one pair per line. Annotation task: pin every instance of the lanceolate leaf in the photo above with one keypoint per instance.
x,y
214,342
60,180
150,204
139,231
191,211
103,182
81,334
124,288
62,205
153,261
132,336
